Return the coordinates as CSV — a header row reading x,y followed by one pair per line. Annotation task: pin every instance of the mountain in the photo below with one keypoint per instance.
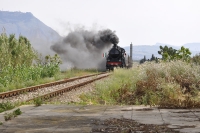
x,y
25,24
193,46
139,51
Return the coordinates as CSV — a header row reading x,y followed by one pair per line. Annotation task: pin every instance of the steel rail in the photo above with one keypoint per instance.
x,y
69,88
33,88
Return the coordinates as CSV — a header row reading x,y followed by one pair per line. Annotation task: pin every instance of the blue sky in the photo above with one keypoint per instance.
x,y
142,22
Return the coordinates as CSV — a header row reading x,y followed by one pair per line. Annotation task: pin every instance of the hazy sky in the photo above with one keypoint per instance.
x,y
142,22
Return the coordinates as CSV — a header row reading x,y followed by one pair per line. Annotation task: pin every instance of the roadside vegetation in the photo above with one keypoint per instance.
x,y
6,106
38,101
11,115
21,66
168,83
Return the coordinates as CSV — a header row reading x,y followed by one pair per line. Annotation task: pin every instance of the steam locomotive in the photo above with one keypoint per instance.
x,y
116,58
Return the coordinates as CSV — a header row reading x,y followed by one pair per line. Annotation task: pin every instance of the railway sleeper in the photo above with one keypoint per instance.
x,y
29,89
52,94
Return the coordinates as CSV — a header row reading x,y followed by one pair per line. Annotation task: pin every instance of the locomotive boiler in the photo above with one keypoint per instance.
x,y
116,58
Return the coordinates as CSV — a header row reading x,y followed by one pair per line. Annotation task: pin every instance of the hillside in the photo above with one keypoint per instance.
x,y
25,24
193,46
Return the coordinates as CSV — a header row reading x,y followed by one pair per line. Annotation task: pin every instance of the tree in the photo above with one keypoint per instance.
x,y
15,52
19,62
168,53
143,60
184,54
152,57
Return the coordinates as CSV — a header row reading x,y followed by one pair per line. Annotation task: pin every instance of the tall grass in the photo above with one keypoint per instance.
x,y
20,63
21,76
6,106
165,84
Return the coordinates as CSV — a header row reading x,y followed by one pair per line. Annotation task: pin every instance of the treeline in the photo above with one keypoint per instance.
x,y
153,58
170,54
19,62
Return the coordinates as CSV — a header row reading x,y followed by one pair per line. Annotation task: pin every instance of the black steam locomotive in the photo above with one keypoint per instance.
x,y
116,58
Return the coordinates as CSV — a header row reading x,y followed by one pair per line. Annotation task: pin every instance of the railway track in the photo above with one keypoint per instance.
x,y
49,90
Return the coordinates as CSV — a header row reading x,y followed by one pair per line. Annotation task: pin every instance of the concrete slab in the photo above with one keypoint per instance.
x,y
80,118
196,112
182,119
148,116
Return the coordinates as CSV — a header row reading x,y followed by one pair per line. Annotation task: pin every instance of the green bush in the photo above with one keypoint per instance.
x,y
17,112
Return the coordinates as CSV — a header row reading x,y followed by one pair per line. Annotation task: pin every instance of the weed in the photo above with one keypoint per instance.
x,y
172,84
38,101
1,123
17,112
6,106
8,116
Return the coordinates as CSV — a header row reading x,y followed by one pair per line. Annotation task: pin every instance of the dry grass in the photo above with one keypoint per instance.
x,y
165,84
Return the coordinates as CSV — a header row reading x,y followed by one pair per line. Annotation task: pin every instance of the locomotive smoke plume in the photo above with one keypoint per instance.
x,y
84,49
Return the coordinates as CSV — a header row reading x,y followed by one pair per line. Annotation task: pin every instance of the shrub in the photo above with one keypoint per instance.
x,y
196,59
17,112
38,101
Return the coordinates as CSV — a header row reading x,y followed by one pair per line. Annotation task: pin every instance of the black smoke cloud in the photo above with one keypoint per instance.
x,y
109,36
83,49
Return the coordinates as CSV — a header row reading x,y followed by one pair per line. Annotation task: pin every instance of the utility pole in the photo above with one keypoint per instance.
x,y
131,54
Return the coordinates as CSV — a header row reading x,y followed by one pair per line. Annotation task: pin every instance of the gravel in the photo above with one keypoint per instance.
x,y
73,96
45,90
